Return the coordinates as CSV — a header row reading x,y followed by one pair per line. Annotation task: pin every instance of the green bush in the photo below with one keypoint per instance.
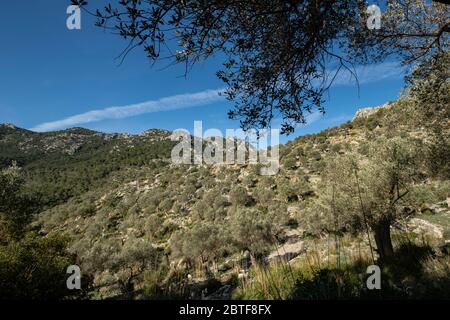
x,y
35,268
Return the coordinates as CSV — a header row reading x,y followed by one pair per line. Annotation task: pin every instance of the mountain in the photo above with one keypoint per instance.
x,y
63,164
121,201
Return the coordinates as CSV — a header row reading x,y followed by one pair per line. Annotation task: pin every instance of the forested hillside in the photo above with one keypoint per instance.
x,y
373,190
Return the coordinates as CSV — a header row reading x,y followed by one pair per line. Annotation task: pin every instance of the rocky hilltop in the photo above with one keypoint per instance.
x,y
364,113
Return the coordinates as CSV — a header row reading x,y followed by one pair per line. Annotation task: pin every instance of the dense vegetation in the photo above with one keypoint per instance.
x,y
31,266
373,190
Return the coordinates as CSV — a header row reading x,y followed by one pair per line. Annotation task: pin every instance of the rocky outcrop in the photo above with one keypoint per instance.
x,y
421,226
367,112
293,247
9,126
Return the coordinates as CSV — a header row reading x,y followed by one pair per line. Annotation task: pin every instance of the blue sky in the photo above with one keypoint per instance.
x,y
52,78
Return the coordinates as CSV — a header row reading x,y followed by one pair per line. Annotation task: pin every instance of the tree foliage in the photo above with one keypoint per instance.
x,y
280,57
31,266
368,193
15,208
35,268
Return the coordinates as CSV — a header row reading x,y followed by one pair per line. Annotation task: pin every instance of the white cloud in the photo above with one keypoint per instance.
x,y
164,104
366,74
313,117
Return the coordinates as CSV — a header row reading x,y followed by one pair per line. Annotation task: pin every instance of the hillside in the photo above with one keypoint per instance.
x,y
144,227
64,164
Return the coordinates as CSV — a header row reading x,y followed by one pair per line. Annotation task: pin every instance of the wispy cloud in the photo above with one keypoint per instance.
x,y
164,104
313,117
368,74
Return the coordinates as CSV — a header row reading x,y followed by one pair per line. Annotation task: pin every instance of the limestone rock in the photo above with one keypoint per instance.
x,y
421,226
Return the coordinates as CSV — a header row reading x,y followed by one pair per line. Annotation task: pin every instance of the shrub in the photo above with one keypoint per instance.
x,y
253,230
35,268
336,147
328,284
290,163
239,196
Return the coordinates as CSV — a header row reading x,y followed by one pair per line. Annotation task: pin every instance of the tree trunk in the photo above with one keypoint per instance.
x,y
383,240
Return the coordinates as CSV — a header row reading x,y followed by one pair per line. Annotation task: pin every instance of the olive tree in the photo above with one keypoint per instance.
x,y
279,57
368,193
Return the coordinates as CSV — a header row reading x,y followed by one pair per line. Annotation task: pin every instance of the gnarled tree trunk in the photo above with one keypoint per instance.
x,y
382,233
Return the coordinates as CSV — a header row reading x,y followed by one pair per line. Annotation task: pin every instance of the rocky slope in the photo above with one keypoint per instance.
x,y
116,194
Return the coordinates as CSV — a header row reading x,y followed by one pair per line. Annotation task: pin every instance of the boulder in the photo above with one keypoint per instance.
x,y
286,252
421,226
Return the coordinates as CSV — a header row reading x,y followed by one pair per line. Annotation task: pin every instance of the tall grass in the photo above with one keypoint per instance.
x,y
330,271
